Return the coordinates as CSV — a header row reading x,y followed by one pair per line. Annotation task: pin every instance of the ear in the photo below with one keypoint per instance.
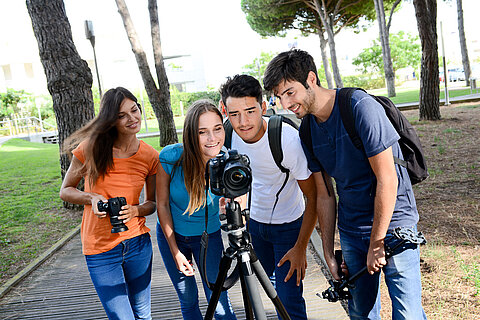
x,y
264,108
311,79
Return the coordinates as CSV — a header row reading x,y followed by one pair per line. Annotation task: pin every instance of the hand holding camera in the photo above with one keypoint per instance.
x,y
113,207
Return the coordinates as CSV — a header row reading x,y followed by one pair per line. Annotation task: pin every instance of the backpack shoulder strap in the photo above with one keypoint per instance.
x,y
228,134
305,134
346,113
275,140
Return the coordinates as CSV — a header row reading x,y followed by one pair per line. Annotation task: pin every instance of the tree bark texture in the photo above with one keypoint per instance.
x,y
326,64
327,23
160,101
69,79
426,14
384,40
463,43
166,116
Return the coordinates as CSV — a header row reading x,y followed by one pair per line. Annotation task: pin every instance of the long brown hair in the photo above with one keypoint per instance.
x,y
191,161
100,134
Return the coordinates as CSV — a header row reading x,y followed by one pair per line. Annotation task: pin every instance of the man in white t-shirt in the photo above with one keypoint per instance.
x,y
280,232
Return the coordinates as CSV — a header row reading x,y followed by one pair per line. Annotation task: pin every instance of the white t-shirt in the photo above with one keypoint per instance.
x,y
268,179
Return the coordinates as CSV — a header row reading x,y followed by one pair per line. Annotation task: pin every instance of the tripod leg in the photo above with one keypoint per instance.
x,y
267,286
225,264
247,304
251,286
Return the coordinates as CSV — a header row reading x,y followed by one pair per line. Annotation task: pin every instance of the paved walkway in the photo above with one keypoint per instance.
x,y
61,289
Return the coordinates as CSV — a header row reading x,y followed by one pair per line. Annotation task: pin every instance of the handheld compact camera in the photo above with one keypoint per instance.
x,y
230,174
113,208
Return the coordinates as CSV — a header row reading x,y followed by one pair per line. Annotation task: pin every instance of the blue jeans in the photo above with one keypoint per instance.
x,y
271,242
122,277
402,276
186,286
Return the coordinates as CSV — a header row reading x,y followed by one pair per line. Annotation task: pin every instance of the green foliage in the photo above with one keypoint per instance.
x,y
405,51
257,68
365,81
9,102
274,18
187,98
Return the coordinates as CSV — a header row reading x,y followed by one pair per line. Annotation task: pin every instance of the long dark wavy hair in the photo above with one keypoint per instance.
x,y
100,135
191,160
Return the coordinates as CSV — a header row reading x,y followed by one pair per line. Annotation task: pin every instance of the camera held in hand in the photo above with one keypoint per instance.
x,y
230,174
113,208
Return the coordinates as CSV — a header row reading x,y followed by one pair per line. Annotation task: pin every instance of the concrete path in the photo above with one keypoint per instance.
x,y
61,289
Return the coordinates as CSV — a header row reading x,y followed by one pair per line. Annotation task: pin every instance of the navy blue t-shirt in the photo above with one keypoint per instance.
x,y
354,178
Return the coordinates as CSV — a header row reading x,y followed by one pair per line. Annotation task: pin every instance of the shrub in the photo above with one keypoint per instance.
x,y
365,81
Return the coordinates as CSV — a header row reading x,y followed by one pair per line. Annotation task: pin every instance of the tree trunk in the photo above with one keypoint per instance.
x,y
463,43
163,111
327,24
69,79
326,64
384,40
166,116
426,14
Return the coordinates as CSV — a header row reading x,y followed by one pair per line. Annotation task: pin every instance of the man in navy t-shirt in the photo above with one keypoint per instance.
x,y
375,195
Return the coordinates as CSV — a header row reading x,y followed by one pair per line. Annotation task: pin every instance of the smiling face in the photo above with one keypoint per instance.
x,y
129,118
211,135
296,98
245,115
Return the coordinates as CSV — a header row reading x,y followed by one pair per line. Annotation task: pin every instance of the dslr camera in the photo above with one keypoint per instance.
x,y
113,208
230,174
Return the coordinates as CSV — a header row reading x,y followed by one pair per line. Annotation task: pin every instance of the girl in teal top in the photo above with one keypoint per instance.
x,y
181,208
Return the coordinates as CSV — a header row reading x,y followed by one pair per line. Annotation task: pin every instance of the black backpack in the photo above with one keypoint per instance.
x,y
414,159
274,139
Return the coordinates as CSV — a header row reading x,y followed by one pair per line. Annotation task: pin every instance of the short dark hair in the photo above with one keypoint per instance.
x,y
241,85
293,65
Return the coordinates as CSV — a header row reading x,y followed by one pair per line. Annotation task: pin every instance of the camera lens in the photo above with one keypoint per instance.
x,y
237,178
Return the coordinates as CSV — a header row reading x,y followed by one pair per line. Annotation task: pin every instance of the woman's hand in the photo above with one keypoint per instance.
x,y
183,264
94,199
128,212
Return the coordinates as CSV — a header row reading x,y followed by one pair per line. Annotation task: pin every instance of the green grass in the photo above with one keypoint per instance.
x,y
405,95
31,215
152,124
29,178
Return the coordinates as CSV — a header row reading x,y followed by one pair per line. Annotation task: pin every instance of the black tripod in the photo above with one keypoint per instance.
x,y
247,267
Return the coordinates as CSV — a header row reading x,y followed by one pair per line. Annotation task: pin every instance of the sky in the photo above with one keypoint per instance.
x,y
214,29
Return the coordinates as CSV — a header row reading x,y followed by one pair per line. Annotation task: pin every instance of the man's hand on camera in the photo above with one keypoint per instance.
x,y
128,212
95,198
332,265
376,257
298,263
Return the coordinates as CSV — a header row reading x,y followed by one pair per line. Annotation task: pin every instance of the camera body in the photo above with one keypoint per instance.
x,y
113,208
230,174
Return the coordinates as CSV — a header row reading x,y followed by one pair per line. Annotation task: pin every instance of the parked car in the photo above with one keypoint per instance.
x,y
456,74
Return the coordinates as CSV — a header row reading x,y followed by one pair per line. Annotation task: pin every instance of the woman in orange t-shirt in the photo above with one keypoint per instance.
x,y
115,164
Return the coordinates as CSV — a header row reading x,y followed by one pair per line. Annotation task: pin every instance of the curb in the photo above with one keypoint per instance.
x,y
37,262
316,241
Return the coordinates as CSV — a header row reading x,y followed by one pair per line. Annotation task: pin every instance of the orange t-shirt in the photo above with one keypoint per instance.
x,y
126,179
